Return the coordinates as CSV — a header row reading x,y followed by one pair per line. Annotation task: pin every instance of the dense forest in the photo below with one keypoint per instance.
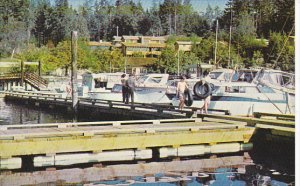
x,y
250,32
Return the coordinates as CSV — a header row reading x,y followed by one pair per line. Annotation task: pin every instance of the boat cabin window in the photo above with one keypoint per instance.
x,y
243,76
235,89
100,84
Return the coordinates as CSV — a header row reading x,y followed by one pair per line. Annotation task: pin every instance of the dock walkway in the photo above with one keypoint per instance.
x,y
142,110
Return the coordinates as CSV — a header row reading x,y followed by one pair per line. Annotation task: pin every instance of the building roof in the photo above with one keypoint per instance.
x,y
131,37
117,38
186,42
150,45
95,43
153,38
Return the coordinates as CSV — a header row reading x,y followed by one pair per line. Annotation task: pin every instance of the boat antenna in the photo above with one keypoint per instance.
x,y
280,32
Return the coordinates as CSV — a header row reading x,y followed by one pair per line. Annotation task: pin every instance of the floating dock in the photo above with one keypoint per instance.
x,y
71,143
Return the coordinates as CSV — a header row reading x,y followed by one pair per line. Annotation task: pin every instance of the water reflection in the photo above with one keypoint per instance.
x,y
11,113
229,170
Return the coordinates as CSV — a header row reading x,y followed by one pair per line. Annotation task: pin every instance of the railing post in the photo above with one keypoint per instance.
x,y
22,72
40,67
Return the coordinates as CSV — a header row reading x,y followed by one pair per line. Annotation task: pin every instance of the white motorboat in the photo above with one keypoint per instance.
x,y
150,88
246,91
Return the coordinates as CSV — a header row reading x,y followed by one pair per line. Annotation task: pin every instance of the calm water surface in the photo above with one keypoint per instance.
x,y
271,164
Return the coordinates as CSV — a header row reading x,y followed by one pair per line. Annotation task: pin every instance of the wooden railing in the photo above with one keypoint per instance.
x,y
157,108
7,76
35,80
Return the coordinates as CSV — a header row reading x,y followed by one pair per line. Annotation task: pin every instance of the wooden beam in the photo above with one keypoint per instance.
x,y
74,37
248,120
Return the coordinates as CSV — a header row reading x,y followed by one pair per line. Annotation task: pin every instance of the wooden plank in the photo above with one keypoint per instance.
x,y
278,128
248,120
22,126
100,130
260,114
122,141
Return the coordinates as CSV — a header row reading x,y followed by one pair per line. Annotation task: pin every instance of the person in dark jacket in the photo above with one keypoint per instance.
x,y
124,88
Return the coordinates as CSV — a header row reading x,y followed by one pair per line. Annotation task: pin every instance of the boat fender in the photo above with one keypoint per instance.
x,y
202,89
188,98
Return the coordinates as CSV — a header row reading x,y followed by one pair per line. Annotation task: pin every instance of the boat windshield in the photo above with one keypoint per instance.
x,y
277,79
215,75
243,76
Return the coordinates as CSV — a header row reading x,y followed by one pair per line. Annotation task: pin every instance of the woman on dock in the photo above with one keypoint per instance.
x,y
181,87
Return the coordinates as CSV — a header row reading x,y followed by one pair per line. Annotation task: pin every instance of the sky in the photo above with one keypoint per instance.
x,y
198,5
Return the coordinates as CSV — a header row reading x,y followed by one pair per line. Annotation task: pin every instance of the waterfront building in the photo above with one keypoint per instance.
x,y
142,50
100,45
130,39
185,46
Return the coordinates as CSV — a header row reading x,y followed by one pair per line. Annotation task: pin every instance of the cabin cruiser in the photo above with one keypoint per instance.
x,y
245,91
150,88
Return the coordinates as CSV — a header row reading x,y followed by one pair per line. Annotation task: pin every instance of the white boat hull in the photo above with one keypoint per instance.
x,y
247,106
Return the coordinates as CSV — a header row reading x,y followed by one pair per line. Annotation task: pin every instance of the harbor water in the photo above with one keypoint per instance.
x,y
266,164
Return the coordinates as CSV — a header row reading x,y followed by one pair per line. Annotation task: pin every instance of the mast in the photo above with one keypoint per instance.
x,y
216,42
229,57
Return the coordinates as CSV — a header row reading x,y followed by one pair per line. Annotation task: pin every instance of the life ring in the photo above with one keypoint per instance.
x,y
188,98
202,89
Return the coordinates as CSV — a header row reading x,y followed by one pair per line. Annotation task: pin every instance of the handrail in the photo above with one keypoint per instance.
x,y
37,79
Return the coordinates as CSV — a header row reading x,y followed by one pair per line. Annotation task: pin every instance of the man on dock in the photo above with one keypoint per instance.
x,y
131,86
124,88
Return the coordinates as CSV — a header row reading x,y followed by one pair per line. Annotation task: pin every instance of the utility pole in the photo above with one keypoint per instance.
x,y
74,37
175,29
117,31
216,42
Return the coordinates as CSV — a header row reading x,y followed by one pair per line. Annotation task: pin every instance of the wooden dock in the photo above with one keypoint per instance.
x,y
54,144
282,125
73,143
136,110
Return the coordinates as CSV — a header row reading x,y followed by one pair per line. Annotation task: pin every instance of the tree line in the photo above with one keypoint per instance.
x,y
40,30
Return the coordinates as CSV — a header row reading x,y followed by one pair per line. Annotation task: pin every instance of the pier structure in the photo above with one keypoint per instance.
x,y
60,144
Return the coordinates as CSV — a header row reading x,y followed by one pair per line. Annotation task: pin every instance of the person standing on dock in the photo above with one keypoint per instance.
x,y
205,104
181,87
124,88
131,86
